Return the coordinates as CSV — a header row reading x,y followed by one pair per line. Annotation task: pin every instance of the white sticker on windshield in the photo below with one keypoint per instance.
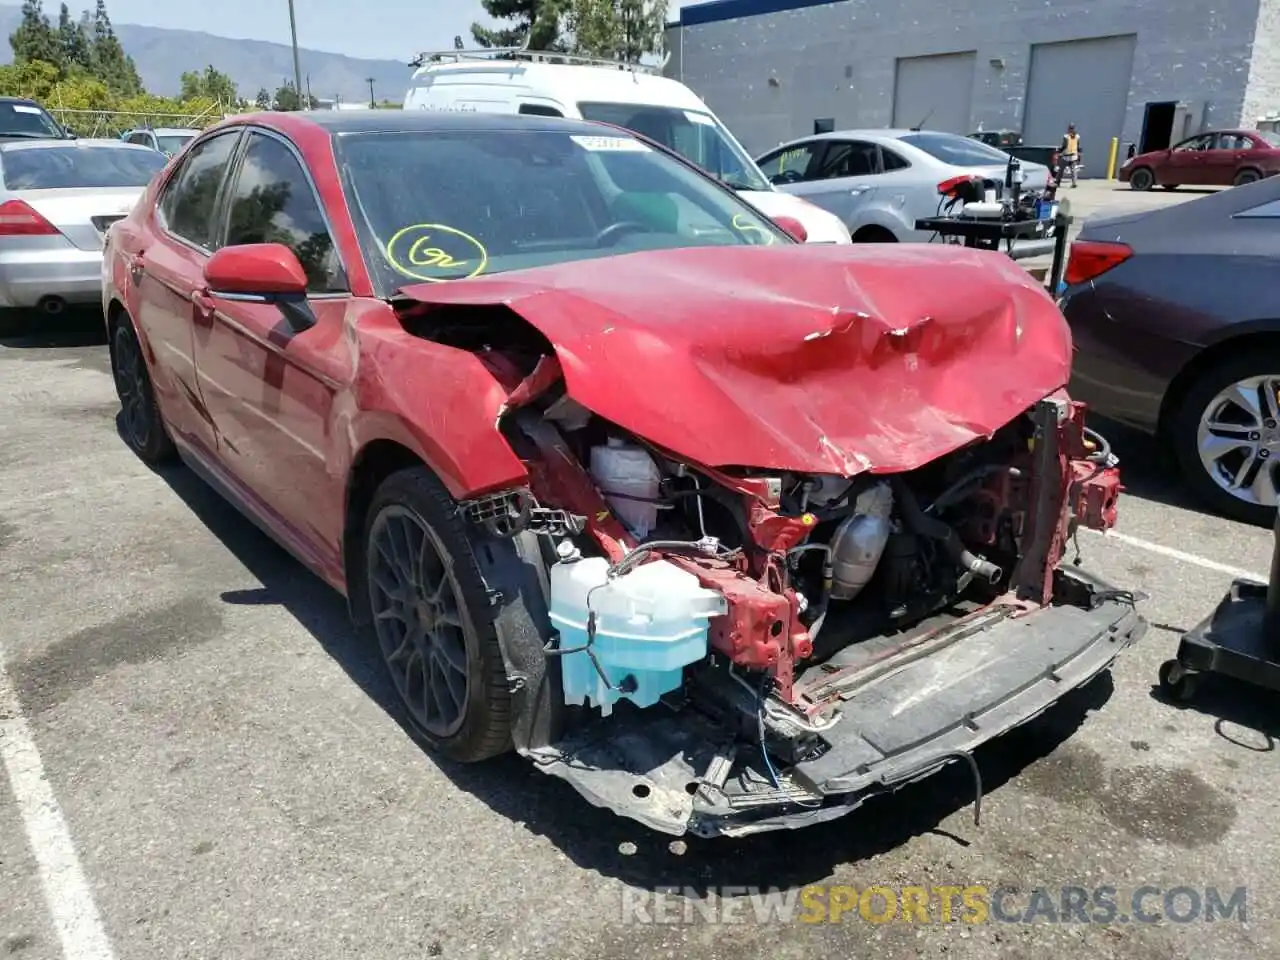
x,y
701,118
22,108
610,144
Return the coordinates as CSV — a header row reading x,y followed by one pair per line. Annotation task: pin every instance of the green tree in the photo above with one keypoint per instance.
x,y
31,78
108,61
211,83
73,43
287,98
34,39
537,20
624,30
263,100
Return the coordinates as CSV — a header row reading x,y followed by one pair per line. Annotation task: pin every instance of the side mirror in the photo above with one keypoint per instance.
x,y
71,134
261,271
793,228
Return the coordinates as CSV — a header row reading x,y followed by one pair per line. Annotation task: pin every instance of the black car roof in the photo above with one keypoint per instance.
x,y
396,121
22,100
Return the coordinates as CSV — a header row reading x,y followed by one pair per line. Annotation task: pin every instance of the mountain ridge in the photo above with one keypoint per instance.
x,y
162,55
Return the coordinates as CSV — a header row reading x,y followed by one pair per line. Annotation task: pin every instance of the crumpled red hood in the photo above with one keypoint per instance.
x,y
801,358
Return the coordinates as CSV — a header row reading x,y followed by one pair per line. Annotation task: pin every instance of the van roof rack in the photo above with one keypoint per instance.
x,y
532,56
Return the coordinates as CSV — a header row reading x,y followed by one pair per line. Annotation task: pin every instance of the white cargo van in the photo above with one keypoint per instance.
x,y
664,110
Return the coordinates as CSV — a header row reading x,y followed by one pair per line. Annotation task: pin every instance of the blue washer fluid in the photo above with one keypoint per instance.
x,y
651,623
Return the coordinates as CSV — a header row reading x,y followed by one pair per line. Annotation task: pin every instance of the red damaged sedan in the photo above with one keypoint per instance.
x,y
727,531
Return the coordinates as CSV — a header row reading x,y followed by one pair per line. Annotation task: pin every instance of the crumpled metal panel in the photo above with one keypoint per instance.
x,y
804,358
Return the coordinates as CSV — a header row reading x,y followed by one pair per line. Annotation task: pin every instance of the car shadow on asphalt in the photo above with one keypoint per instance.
x,y
1243,714
596,839
76,327
1146,469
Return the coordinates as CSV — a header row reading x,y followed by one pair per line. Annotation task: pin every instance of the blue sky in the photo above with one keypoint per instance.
x,y
366,28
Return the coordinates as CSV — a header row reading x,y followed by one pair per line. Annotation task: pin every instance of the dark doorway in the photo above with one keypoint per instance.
x,y
1157,126
827,125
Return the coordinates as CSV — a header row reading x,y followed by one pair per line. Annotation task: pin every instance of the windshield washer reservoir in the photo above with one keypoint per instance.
x,y
650,624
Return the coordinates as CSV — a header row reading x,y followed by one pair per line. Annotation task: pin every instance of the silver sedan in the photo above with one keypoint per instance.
x,y
57,200
880,182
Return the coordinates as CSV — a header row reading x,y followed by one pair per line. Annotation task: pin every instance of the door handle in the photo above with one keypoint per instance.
x,y
204,305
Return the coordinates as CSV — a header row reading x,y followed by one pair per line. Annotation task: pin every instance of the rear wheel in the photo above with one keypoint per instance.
x,y
140,423
1226,435
1246,176
1142,179
427,608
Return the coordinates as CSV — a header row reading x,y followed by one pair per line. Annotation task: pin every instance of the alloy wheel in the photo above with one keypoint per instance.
x,y
131,387
418,620
1239,440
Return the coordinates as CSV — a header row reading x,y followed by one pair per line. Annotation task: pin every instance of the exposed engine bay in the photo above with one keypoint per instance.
x,y
735,649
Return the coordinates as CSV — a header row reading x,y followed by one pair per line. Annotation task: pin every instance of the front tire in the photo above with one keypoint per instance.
x,y
428,611
1246,176
1226,436
140,422
1142,179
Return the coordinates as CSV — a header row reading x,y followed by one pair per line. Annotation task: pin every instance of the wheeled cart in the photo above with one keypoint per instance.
x,y
1240,639
989,234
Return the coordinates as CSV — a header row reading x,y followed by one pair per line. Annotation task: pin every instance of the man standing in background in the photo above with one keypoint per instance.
x,y
1069,152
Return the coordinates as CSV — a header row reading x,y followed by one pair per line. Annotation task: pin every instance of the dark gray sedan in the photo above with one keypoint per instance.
x,y
1176,320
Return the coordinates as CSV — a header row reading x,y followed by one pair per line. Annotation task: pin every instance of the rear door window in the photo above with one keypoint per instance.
x,y
892,161
848,158
190,198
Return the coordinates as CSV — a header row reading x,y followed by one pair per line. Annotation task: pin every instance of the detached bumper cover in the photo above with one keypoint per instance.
x,y
932,711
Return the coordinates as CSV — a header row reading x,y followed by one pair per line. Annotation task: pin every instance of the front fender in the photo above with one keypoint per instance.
x,y
439,402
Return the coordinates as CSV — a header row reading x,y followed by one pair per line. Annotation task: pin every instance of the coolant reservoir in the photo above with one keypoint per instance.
x,y
651,623
624,471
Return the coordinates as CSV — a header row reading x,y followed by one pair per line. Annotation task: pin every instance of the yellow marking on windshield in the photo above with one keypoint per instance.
x,y
435,252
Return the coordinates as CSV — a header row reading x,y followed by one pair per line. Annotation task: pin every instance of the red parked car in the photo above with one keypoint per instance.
x,y
727,531
1218,158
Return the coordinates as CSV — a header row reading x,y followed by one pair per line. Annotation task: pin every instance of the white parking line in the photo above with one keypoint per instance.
x,y
66,891
1181,555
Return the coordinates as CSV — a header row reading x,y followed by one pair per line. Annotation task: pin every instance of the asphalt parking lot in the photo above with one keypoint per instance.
x,y
202,762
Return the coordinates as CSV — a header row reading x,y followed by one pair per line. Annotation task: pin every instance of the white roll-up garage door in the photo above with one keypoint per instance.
x,y
1085,82
934,92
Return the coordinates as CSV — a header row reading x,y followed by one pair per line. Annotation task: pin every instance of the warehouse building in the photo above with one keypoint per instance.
x,y
1145,71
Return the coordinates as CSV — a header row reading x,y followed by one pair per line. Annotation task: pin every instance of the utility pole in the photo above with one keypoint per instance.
x,y
297,64
306,104
373,104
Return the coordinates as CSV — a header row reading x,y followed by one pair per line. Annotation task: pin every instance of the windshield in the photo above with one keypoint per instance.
x,y
1271,137
170,144
695,135
435,206
27,120
51,168
955,150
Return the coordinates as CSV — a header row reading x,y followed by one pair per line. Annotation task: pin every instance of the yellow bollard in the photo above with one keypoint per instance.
x,y
1111,160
